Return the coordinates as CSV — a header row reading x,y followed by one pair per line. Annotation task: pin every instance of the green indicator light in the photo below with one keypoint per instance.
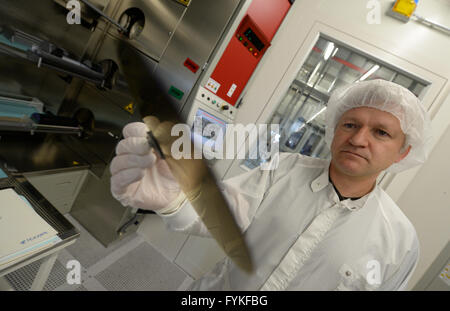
x,y
240,38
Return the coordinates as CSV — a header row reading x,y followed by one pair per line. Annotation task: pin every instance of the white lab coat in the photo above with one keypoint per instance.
x,y
302,237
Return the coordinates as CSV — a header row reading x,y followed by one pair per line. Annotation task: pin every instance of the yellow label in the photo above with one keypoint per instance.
x,y
130,107
404,7
184,2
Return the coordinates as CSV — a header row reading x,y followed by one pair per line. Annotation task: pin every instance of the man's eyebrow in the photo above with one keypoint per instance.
x,y
349,119
381,125
385,126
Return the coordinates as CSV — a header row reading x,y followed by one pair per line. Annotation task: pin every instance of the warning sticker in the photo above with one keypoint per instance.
x,y
184,2
231,90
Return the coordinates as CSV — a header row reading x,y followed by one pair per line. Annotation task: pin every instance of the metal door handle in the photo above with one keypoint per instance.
x,y
104,15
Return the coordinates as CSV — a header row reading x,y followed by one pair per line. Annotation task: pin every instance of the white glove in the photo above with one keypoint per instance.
x,y
139,178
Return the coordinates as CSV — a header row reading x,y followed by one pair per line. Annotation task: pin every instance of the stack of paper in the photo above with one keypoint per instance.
x,y
22,231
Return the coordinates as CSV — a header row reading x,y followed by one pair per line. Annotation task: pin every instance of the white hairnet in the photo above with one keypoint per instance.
x,y
390,97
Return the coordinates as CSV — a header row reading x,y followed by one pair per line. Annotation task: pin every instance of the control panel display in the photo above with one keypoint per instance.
x,y
207,127
253,38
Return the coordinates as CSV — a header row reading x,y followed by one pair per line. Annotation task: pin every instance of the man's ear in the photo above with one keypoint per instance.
x,y
404,154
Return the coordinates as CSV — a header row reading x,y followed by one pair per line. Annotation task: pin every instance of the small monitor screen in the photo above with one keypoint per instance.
x,y
253,38
207,127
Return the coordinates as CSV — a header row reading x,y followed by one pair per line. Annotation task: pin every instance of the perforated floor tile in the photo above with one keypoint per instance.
x,y
88,250
22,279
143,268
81,289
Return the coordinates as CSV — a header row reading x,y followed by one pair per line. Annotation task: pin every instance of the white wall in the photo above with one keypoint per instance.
x,y
413,47
426,200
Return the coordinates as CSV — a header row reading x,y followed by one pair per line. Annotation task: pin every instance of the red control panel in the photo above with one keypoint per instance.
x,y
246,48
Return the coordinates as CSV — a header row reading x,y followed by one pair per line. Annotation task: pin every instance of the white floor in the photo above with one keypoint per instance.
x,y
130,264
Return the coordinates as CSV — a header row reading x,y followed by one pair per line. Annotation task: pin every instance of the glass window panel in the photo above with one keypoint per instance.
x,y
343,53
417,89
403,81
384,73
357,60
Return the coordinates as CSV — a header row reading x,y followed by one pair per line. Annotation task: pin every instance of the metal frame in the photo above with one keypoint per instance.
x,y
66,231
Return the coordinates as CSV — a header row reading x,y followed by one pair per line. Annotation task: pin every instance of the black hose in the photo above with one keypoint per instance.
x,y
143,211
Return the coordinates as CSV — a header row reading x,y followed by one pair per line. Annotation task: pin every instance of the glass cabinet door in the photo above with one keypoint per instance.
x,y
300,113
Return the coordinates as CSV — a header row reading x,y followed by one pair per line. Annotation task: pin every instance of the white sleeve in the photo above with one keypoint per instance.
x,y
399,280
243,193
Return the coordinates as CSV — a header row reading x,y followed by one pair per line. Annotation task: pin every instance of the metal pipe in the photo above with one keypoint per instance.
x,y
62,64
93,7
25,125
12,51
432,23
67,65
57,129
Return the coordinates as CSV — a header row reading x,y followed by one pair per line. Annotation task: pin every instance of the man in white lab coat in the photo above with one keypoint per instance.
x,y
311,224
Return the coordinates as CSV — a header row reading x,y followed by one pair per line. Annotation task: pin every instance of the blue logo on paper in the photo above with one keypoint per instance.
x,y
31,239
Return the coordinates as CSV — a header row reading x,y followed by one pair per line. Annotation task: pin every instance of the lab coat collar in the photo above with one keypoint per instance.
x,y
322,181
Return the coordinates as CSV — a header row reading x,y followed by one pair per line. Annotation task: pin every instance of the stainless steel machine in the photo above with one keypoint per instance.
x,y
73,70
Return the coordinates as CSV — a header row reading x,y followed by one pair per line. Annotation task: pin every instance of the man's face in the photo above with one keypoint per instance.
x,y
366,141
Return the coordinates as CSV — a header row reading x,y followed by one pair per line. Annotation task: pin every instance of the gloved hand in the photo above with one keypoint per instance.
x,y
139,178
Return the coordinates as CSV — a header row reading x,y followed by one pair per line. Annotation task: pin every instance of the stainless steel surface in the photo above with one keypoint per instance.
x,y
46,20
42,53
172,32
16,124
161,19
193,175
12,51
196,36
88,15
93,7
119,96
20,76
102,215
44,152
110,117
17,76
